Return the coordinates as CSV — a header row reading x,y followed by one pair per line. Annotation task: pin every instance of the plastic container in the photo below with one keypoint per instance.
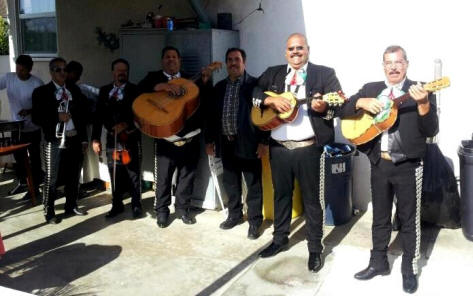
x,y
465,153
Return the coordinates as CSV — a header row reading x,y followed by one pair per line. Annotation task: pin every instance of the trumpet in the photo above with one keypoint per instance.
x,y
61,126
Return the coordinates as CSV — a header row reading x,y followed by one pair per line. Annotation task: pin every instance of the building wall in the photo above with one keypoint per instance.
x,y
351,36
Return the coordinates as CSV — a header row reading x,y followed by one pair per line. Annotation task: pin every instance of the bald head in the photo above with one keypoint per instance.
x,y
297,50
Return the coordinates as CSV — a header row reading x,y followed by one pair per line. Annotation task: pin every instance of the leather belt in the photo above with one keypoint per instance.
x,y
291,145
182,142
385,155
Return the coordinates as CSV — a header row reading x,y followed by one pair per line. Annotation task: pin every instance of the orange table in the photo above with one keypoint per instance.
x,y
29,179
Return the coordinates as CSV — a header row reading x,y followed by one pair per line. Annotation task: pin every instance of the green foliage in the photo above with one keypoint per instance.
x,y
3,37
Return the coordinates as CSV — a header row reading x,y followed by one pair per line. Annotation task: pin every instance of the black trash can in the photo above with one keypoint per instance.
x,y
337,183
465,153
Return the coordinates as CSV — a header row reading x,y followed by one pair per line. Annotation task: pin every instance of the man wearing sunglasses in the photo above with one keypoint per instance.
x,y
61,112
296,147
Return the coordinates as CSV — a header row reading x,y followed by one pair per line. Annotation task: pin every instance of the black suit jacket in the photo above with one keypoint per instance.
x,y
196,120
320,79
44,111
413,128
109,111
248,136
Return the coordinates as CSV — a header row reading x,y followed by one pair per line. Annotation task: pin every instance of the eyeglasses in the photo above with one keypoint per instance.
x,y
59,69
292,48
395,63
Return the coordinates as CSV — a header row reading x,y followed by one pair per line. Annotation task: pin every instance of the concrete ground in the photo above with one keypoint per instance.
x,y
94,256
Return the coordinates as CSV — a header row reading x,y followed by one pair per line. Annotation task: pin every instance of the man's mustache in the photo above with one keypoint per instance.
x,y
394,72
296,55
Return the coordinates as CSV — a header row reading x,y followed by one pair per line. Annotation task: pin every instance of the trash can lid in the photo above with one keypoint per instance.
x,y
466,147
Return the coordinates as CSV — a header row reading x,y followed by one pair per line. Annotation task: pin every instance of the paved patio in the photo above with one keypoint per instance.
x,y
94,256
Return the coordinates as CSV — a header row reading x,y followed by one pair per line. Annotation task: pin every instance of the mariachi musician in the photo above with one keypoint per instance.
x,y
61,113
179,151
123,138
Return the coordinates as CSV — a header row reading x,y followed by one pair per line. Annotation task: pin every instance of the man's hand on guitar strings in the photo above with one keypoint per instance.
x,y
371,105
280,104
172,89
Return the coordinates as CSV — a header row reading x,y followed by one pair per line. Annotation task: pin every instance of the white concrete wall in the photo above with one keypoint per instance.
x,y
351,36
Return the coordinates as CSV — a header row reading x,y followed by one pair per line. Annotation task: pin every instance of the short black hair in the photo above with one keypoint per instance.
x,y
120,60
242,52
75,67
168,48
54,61
25,60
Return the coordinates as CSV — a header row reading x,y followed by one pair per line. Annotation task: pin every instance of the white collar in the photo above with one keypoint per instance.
x,y
398,85
169,76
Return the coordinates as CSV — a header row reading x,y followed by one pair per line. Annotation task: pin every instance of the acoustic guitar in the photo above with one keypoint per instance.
x,y
161,115
365,127
268,119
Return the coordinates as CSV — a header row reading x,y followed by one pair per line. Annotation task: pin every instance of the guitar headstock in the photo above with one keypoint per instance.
x,y
437,84
215,66
334,98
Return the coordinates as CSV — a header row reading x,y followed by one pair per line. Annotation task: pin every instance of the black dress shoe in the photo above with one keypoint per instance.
x,y
137,212
162,220
409,283
253,232
370,272
115,211
272,250
75,212
53,219
187,218
231,222
315,262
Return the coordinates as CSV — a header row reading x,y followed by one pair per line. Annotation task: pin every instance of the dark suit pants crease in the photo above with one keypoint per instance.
x,y
168,158
388,179
233,168
302,164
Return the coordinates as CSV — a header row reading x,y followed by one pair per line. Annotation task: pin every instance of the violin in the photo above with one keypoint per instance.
x,y
121,155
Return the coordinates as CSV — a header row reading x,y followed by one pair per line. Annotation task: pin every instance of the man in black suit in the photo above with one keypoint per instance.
x,y
114,112
61,113
296,147
178,152
238,142
396,163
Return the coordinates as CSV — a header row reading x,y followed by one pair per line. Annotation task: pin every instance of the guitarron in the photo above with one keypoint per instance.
x,y
365,127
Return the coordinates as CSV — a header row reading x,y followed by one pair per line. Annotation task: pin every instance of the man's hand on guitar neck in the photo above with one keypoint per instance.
x,y
371,105
317,104
419,95
279,104
171,89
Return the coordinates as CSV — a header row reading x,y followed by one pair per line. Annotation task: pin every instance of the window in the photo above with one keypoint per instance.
x,y
38,30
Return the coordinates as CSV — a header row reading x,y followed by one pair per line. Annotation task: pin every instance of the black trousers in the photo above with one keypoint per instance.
x,y
405,181
303,164
34,138
233,168
66,162
127,177
168,158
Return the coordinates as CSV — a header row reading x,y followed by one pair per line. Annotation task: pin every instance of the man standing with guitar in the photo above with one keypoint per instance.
x,y
233,137
179,151
296,147
396,163
113,111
